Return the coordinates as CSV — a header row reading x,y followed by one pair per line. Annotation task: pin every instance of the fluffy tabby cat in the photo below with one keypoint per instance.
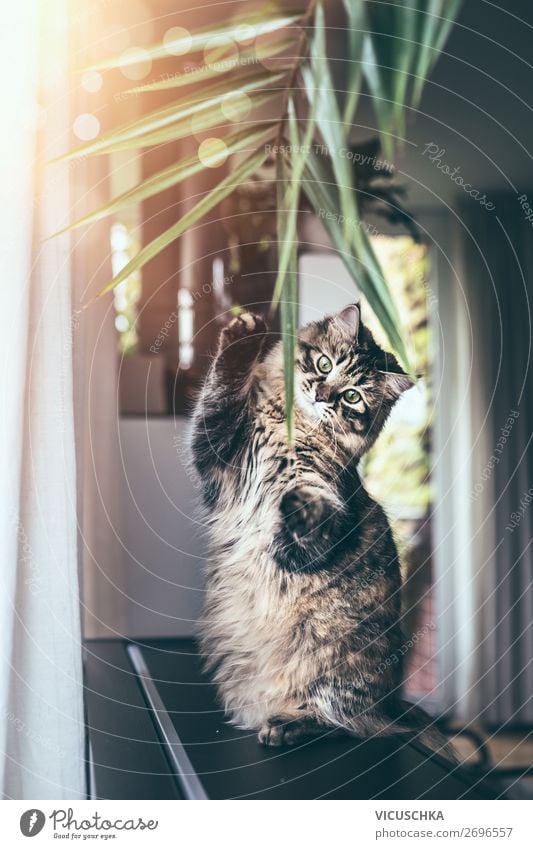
x,y
301,625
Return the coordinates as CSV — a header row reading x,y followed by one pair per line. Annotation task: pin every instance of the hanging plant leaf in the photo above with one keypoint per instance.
x,y
357,26
176,117
224,188
238,30
172,176
435,24
393,45
289,298
217,69
292,191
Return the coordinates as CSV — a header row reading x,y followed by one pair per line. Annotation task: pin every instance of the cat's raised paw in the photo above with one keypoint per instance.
x,y
243,326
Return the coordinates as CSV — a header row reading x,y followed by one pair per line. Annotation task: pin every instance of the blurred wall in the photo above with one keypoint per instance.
x,y
163,540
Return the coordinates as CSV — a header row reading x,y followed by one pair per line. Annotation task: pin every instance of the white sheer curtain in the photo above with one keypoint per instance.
x,y
483,465
497,253
41,699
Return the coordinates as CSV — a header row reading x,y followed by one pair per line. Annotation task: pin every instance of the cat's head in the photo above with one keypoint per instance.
x,y
344,381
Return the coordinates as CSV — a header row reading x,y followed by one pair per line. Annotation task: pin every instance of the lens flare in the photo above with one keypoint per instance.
x,y
86,126
137,63
221,51
236,106
177,41
244,33
213,152
91,81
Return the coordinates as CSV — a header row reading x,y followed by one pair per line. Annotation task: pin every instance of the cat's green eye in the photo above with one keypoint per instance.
x,y
352,396
324,364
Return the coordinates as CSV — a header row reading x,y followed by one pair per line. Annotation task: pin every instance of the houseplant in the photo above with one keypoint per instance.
x,y
390,47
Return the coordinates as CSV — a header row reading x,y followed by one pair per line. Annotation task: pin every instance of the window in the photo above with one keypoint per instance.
x,y
397,469
126,294
185,328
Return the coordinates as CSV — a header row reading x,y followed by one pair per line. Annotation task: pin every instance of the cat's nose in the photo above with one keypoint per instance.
x,y
322,392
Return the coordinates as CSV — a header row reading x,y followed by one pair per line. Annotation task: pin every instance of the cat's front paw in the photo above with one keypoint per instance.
x,y
245,332
287,731
305,511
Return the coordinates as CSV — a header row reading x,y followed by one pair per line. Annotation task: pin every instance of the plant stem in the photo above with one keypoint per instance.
x,y
301,50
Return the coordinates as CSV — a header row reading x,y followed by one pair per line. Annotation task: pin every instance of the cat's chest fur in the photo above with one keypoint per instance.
x,y
255,633
255,615
251,594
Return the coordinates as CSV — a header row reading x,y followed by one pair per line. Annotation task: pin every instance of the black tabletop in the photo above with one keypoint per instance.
x,y
228,762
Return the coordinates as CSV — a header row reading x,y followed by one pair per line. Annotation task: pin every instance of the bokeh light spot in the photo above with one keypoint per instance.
x,y
244,33
92,81
236,106
86,126
121,323
177,41
213,152
222,52
136,63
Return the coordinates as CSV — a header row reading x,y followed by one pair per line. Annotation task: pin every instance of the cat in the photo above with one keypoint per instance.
x,y
301,623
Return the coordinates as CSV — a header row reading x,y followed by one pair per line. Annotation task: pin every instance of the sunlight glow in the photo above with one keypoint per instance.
x,y
177,41
185,328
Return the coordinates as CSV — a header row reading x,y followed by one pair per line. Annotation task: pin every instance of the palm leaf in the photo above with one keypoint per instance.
x,y
171,176
357,24
321,94
224,188
288,304
288,317
208,120
199,40
378,62
404,56
355,251
435,25
403,43
288,235
207,72
286,288
174,117
393,44
333,191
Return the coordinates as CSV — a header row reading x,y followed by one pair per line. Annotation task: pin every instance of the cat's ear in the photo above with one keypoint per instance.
x,y
397,380
349,320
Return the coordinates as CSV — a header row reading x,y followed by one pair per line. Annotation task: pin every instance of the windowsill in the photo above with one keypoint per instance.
x,y
222,761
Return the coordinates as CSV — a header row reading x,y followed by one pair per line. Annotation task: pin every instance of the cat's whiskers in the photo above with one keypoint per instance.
x,y
314,427
344,432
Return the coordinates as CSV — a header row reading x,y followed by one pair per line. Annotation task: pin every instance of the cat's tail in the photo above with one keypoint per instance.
x,y
412,720
403,719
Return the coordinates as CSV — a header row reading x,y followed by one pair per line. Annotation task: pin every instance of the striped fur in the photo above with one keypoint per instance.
x,y
303,588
